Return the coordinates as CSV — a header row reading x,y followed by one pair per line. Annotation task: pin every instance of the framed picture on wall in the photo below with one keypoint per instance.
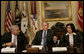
x,y
56,10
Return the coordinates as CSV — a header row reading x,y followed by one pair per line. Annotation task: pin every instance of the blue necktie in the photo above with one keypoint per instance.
x,y
44,38
45,49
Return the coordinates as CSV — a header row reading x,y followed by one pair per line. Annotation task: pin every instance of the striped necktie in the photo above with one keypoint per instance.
x,y
44,38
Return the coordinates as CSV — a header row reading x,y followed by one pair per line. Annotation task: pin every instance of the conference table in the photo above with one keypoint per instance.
x,y
29,49
37,50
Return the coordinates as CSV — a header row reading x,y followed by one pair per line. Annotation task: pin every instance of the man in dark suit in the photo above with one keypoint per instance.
x,y
15,38
44,37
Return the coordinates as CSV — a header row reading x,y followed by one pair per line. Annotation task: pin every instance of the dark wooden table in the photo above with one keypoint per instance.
x,y
36,50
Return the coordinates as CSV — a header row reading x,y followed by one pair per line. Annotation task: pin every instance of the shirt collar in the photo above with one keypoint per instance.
x,y
68,33
13,35
44,31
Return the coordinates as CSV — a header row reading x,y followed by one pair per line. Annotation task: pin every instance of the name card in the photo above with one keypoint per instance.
x,y
57,49
37,46
8,50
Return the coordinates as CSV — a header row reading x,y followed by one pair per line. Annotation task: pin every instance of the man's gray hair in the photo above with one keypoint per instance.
x,y
13,27
46,23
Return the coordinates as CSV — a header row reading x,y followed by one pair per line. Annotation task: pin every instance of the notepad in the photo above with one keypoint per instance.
x,y
55,49
8,50
37,46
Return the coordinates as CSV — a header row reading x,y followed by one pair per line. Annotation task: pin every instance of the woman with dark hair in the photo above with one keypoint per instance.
x,y
71,38
71,25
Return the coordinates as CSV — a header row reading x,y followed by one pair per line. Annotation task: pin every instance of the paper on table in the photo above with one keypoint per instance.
x,y
37,46
55,49
24,51
8,50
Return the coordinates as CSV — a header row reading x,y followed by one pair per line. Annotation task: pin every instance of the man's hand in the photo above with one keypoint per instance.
x,y
54,38
9,44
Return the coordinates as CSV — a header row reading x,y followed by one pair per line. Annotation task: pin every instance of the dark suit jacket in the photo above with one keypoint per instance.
x,y
21,40
65,40
38,38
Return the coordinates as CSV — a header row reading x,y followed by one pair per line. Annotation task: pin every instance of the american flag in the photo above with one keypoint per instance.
x,y
8,22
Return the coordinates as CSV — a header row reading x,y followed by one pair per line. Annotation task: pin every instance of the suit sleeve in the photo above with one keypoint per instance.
x,y
78,40
24,39
4,39
63,41
50,37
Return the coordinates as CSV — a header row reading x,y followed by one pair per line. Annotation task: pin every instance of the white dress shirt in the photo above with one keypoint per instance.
x,y
14,39
43,36
71,39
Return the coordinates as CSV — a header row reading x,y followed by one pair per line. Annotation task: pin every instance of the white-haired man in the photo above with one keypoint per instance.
x,y
15,38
